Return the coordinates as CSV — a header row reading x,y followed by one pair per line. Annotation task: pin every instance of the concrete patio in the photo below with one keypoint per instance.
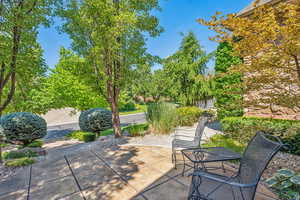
x,y
112,173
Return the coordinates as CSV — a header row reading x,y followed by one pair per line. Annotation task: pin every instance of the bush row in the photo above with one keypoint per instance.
x,y
243,128
164,117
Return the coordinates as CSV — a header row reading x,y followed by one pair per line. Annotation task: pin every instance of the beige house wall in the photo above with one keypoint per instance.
x,y
270,110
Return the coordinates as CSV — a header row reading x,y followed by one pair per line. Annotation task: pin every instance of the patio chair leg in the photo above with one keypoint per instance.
x,y
223,167
183,170
175,160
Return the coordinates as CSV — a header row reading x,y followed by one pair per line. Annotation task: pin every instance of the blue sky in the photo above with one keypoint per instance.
x,y
177,16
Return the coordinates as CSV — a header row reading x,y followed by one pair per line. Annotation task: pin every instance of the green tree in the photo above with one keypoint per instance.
x,y
69,84
21,64
109,35
142,81
227,84
203,89
159,85
184,66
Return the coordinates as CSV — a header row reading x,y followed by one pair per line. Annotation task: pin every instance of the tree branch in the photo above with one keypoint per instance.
x,y
297,65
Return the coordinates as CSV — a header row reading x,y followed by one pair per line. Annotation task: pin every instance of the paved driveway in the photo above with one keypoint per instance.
x,y
97,172
60,130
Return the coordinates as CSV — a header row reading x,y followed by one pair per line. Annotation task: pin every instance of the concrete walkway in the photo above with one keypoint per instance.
x,y
101,171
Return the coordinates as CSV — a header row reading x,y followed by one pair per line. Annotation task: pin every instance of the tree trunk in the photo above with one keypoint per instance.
x,y
116,119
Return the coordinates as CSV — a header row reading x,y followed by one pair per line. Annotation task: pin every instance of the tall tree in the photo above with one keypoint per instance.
x,y
184,66
69,84
20,56
227,83
109,35
268,41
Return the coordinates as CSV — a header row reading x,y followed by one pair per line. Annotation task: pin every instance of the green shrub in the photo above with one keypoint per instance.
x,y
23,127
34,144
83,136
129,106
18,154
228,91
224,141
89,137
95,120
19,162
162,117
286,184
243,129
187,116
137,129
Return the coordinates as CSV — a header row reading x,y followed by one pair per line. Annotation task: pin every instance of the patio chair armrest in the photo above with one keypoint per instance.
x,y
232,183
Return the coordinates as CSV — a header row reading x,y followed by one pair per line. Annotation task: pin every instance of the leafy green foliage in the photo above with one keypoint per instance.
x,y
187,116
69,85
161,117
82,136
244,128
18,154
224,141
21,61
112,41
136,130
129,106
35,144
286,184
23,127
185,69
227,84
19,162
95,120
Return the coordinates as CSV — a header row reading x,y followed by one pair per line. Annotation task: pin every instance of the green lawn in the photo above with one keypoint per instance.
x,y
141,109
110,131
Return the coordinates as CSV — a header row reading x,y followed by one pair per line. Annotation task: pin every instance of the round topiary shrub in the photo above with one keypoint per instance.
x,y
95,120
23,127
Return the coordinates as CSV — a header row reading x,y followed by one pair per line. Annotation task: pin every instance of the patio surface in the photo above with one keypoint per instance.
x,y
112,173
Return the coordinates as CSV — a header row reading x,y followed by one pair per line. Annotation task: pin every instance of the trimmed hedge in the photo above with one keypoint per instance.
x,y
95,120
83,136
187,116
243,129
136,130
19,162
23,127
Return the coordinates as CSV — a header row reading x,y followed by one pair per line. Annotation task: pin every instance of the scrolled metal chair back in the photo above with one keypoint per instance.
x,y
200,129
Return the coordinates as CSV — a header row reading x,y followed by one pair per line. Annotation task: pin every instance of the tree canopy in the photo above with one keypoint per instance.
x,y
268,41
184,68
22,67
110,36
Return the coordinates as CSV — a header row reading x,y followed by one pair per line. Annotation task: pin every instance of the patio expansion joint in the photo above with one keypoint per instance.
x,y
123,179
29,183
76,180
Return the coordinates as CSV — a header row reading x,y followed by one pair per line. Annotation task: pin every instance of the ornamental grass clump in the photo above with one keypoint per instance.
x,y
22,127
162,117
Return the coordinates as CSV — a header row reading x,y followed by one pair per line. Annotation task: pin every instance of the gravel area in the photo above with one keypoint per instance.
x,y
283,160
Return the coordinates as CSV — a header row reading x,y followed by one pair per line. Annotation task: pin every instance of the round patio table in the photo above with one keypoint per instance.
x,y
199,156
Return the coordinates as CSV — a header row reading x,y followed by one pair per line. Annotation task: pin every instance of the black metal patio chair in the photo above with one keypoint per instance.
x,y
242,186
194,140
